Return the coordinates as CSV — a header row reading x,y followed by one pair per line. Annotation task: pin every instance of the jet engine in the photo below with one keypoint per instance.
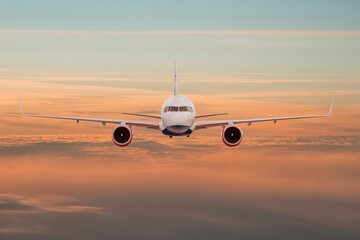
x,y
232,135
122,135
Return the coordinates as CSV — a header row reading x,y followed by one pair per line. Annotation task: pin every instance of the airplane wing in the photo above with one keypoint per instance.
x,y
207,124
147,124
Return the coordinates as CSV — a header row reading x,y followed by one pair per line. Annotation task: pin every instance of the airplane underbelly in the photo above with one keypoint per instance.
x,y
177,130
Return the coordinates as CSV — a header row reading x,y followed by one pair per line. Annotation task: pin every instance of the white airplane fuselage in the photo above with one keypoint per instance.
x,y
177,116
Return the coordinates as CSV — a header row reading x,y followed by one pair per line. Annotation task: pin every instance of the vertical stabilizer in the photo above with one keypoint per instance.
x,y
175,79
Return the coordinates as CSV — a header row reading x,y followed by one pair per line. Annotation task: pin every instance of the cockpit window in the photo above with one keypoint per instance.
x,y
178,109
173,109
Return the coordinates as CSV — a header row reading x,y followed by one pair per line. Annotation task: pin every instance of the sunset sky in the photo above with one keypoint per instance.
x,y
291,180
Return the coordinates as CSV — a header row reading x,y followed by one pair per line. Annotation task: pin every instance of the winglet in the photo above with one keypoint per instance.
x,y
21,111
331,106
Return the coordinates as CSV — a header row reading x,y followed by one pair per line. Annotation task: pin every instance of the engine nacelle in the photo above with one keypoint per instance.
x,y
232,135
122,135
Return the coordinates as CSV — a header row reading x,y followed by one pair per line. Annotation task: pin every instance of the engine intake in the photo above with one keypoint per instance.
x,y
122,135
232,135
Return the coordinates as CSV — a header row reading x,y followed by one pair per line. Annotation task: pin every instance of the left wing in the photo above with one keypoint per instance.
x,y
206,124
148,124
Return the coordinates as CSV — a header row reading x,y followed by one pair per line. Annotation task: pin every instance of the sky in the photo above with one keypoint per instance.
x,y
254,59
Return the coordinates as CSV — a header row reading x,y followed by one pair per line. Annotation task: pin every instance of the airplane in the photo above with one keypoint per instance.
x,y
177,118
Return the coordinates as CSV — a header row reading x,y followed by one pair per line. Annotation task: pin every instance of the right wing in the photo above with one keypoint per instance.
x,y
148,124
206,124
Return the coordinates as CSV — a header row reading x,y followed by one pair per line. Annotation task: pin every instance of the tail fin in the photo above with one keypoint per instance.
x,y
21,111
175,79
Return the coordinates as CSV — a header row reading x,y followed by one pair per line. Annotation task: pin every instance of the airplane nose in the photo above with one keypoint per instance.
x,y
178,123
178,128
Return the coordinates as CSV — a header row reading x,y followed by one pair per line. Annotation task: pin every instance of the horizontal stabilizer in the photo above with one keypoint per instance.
x,y
210,115
142,115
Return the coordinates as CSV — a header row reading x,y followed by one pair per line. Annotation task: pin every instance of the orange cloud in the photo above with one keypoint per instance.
x,y
14,203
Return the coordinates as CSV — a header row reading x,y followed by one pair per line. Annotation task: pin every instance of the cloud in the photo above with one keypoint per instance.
x,y
204,189
328,140
33,230
103,81
13,203
146,146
